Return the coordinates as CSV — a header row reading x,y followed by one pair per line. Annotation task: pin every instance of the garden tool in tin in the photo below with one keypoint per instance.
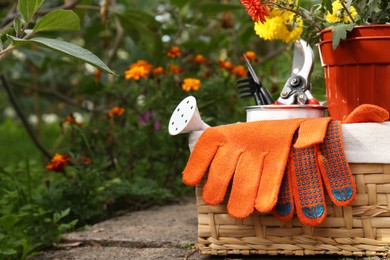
x,y
252,86
297,89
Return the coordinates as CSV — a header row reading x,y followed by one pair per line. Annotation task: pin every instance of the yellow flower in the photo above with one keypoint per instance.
x,y
339,14
280,25
191,84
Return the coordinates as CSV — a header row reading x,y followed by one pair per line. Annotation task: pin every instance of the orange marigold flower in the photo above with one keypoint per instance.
x,y
116,111
174,52
158,71
136,73
58,162
250,55
199,58
175,69
84,160
227,65
256,10
70,119
98,75
239,71
191,84
142,63
137,70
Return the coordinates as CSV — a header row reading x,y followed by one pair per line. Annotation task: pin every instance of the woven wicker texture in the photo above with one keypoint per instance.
x,y
362,229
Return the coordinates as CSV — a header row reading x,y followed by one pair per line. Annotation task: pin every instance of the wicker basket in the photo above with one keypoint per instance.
x,y
362,229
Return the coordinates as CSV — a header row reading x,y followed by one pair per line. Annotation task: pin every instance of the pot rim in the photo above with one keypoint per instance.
x,y
364,38
360,27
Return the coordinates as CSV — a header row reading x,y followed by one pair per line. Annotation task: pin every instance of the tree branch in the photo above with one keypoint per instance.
x,y
23,118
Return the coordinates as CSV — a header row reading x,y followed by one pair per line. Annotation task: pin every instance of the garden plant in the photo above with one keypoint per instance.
x,y
87,90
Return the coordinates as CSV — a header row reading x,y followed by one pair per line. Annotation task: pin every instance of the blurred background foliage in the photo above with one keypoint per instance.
x,y
125,160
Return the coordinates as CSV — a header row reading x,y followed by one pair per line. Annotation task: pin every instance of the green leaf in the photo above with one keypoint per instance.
x,y
65,48
339,32
28,8
143,29
58,20
17,24
8,222
8,251
180,3
328,5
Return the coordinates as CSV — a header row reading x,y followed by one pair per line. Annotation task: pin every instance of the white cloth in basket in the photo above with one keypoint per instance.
x,y
363,142
367,142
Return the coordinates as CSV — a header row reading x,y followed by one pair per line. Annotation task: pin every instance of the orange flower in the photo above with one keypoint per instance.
x,y
84,160
138,70
174,52
142,63
256,10
58,162
239,71
191,84
175,69
158,71
136,73
250,55
116,111
227,65
199,58
70,119
98,75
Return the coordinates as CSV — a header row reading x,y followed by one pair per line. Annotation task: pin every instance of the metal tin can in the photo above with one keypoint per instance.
x,y
274,112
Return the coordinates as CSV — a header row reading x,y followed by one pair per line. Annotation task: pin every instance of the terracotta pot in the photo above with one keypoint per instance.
x,y
358,70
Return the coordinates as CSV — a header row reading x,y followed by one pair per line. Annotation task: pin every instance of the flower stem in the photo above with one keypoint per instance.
x,y
299,13
347,10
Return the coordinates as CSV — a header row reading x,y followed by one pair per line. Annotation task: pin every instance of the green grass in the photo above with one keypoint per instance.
x,y
16,145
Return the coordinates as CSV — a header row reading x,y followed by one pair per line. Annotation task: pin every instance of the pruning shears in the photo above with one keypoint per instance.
x,y
297,89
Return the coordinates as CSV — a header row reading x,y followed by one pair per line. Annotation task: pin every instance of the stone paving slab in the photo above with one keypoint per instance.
x,y
172,225
118,253
166,232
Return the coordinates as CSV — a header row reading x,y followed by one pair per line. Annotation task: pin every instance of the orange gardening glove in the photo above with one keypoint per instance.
x,y
311,167
268,194
240,153
367,113
314,131
302,180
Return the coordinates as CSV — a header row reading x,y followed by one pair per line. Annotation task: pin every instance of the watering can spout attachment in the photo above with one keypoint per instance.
x,y
186,118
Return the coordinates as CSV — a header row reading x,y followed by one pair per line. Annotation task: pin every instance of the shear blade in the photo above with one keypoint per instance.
x,y
303,60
